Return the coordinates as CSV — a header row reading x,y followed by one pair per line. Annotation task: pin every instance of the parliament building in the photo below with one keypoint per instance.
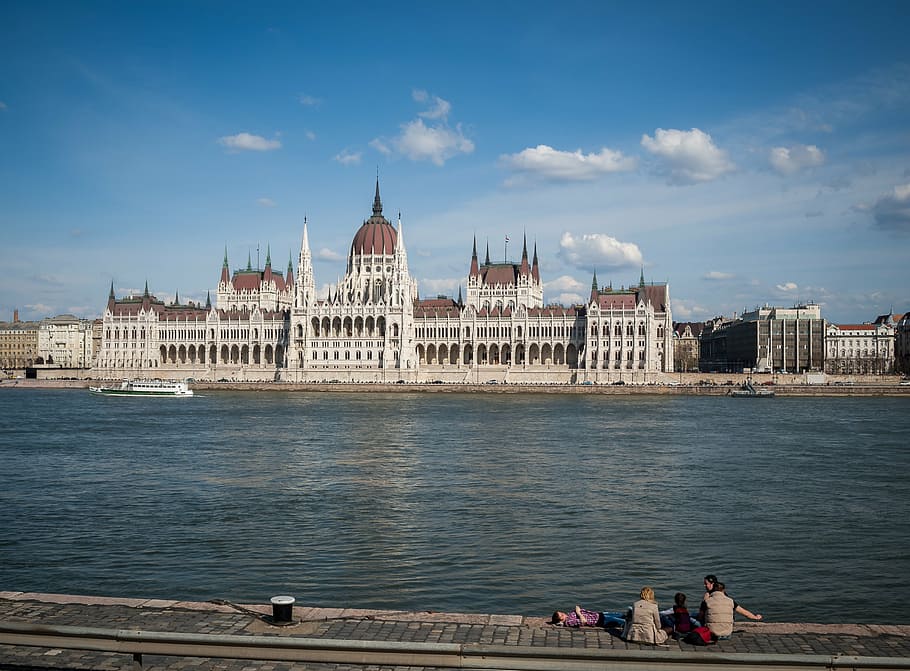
x,y
269,325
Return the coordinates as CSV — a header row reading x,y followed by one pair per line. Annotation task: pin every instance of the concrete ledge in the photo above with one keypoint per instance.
x,y
304,613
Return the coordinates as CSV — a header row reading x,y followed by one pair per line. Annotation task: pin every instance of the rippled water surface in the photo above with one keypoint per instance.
x,y
480,503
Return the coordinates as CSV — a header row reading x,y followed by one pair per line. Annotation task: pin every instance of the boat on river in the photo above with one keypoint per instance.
x,y
749,390
145,388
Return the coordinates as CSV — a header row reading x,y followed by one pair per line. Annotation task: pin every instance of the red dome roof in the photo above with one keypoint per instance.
x,y
377,235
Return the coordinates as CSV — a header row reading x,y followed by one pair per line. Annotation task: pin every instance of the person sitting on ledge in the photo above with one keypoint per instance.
x,y
717,612
643,625
678,617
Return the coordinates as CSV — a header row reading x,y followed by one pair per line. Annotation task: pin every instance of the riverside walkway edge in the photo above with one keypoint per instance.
x,y
46,631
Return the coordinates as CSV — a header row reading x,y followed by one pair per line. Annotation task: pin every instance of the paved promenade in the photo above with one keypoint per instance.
x,y
751,638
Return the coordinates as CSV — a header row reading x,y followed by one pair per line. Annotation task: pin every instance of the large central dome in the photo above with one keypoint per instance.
x,y
376,235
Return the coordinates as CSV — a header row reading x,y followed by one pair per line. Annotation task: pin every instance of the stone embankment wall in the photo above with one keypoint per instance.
x,y
702,385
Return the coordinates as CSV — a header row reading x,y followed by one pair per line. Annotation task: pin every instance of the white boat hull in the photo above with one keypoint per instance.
x,y
158,388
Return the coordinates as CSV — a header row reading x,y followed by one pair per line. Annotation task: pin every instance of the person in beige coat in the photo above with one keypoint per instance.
x,y
717,612
643,624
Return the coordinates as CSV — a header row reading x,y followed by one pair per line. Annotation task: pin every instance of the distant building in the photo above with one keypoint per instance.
x,y
687,346
65,341
18,343
902,345
769,339
861,349
372,326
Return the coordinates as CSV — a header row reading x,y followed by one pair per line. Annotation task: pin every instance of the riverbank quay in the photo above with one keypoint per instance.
x,y
47,631
709,387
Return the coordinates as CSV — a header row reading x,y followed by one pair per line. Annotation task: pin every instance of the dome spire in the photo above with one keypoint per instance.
x,y
377,202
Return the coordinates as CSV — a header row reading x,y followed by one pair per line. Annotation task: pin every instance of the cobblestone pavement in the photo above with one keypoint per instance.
x,y
891,641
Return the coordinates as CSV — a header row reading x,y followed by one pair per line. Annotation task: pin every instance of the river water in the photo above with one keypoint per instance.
x,y
499,503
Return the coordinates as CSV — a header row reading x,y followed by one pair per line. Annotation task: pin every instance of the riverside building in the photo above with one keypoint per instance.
x,y
861,349
373,327
18,344
769,339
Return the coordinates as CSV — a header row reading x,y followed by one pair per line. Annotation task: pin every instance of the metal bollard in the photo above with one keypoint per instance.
x,y
282,609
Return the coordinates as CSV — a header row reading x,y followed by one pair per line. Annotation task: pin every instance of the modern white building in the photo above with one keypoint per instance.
x,y
65,341
373,327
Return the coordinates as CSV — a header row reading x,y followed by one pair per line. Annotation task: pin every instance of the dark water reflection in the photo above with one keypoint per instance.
x,y
489,503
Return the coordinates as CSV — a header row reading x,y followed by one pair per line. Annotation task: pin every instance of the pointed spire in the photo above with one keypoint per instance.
x,y
525,269
176,298
145,293
641,282
460,302
594,287
377,202
475,271
208,300
289,278
535,268
110,296
399,239
225,271
487,261
249,260
267,275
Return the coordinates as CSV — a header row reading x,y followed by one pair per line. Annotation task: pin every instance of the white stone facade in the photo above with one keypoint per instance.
x,y
859,349
373,328
65,341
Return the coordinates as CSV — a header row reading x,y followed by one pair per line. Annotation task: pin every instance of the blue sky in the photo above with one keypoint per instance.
x,y
746,153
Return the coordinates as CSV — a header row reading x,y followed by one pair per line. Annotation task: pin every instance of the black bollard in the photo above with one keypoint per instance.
x,y
282,609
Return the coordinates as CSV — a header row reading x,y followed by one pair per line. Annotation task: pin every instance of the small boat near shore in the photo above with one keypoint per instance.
x,y
145,388
748,390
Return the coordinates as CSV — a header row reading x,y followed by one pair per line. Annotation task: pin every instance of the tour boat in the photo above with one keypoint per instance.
x,y
145,388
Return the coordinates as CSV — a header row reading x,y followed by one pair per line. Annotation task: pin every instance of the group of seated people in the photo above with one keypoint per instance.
x,y
644,622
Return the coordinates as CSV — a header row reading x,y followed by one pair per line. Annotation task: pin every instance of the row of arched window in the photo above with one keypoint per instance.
x,y
497,354
630,329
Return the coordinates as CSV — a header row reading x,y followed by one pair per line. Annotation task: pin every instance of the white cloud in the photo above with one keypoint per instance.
x,y
436,142
570,299
892,211
686,310
440,108
2,105
39,308
324,290
266,202
248,142
309,101
346,157
430,288
716,275
596,250
788,160
380,146
787,287
689,156
327,254
310,135
564,283
554,164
